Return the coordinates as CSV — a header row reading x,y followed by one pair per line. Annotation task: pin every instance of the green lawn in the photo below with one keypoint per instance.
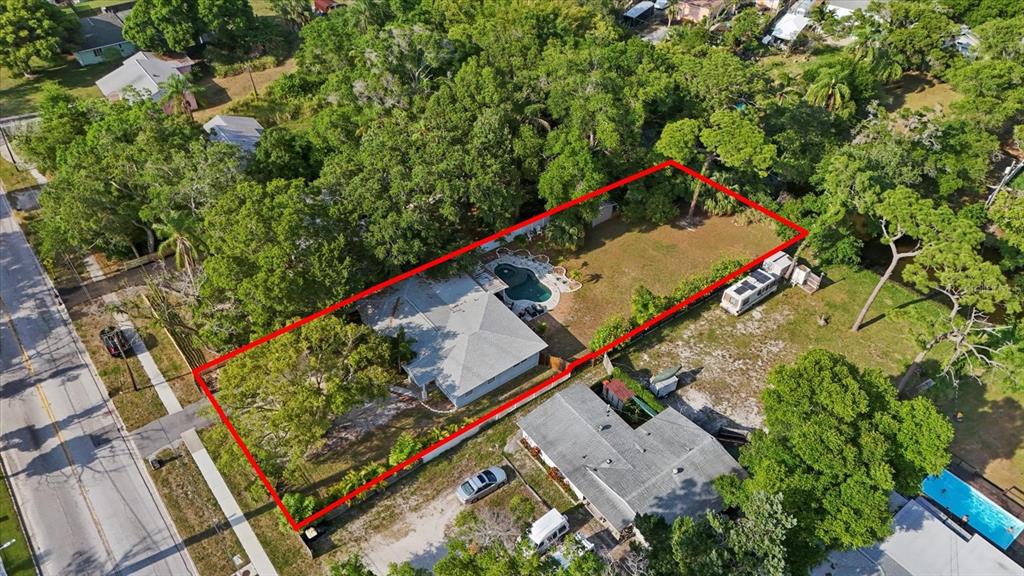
x,y
732,355
16,558
171,363
20,95
13,178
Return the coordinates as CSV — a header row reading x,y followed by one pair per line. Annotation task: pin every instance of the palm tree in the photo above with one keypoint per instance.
x,y
177,90
830,89
401,350
180,232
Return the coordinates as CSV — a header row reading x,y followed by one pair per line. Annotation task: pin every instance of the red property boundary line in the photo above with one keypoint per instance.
x,y
299,525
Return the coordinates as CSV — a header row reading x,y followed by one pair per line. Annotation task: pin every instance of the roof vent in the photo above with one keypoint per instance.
x,y
677,470
608,461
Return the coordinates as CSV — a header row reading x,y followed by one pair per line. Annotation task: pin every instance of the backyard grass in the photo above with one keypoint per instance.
x,y
618,255
14,179
917,92
138,403
210,540
172,365
990,436
17,559
216,95
20,95
731,356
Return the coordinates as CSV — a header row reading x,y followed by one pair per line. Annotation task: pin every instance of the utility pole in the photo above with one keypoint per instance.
x,y
3,571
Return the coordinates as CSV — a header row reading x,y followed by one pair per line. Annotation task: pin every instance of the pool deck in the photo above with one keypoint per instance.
x,y
976,480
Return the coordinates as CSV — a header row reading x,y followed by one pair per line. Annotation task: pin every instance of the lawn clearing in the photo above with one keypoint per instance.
x,y
731,356
918,92
137,403
618,256
991,435
14,179
20,95
210,540
216,95
17,558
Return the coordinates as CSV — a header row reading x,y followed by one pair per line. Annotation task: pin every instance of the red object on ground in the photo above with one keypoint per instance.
x,y
298,525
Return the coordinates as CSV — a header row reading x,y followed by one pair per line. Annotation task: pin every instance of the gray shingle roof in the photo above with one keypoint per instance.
x,y
101,30
143,71
924,542
464,337
664,467
242,131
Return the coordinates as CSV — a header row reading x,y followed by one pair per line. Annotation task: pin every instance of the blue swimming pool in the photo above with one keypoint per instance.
x,y
522,283
983,515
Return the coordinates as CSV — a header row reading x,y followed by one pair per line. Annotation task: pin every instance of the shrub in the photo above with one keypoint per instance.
x,y
523,510
613,328
222,70
406,445
300,506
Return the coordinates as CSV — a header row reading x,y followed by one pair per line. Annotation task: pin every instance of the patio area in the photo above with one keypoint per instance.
x,y
531,303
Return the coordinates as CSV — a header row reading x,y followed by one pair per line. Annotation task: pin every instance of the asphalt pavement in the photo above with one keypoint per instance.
x,y
89,505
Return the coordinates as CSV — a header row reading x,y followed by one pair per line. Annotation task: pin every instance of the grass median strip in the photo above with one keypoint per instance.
x,y
210,541
17,559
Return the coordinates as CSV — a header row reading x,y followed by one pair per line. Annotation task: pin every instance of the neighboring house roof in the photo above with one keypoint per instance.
x,y
464,337
242,131
143,71
790,26
924,542
665,466
101,30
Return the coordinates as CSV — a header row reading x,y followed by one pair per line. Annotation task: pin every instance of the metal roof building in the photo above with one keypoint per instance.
x,y
924,542
242,131
665,466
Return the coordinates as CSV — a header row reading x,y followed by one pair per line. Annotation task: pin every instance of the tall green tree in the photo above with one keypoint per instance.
x,y
230,23
284,394
837,441
33,29
163,25
753,545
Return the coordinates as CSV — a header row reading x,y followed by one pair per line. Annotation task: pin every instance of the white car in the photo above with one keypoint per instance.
x,y
661,4
480,485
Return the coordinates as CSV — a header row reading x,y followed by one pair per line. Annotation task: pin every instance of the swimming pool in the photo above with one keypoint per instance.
x,y
522,283
984,515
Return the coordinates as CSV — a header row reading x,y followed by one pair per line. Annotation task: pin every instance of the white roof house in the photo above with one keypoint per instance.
x,y
924,542
242,131
790,26
144,72
665,466
467,342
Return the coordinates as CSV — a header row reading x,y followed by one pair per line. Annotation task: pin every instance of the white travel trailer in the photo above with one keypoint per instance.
x,y
743,295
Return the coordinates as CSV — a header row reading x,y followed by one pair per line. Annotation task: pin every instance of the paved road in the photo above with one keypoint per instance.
x,y
89,506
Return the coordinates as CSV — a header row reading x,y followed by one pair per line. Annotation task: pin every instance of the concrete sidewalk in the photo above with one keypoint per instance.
x,y
167,430
228,505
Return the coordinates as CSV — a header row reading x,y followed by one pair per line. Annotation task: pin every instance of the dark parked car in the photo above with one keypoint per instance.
x,y
115,341
481,485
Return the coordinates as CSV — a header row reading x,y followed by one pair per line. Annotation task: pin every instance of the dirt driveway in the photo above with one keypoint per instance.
x,y
416,537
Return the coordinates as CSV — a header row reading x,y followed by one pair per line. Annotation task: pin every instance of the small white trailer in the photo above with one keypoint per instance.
x,y
757,286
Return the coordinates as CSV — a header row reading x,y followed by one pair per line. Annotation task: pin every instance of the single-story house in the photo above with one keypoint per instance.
x,y
242,131
144,73
324,6
697,10
924,542
844,8
790,26
966,42
101,37
665,466
467,342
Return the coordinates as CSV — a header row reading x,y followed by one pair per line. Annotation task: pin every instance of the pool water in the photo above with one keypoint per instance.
x,y
522,283
984,515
